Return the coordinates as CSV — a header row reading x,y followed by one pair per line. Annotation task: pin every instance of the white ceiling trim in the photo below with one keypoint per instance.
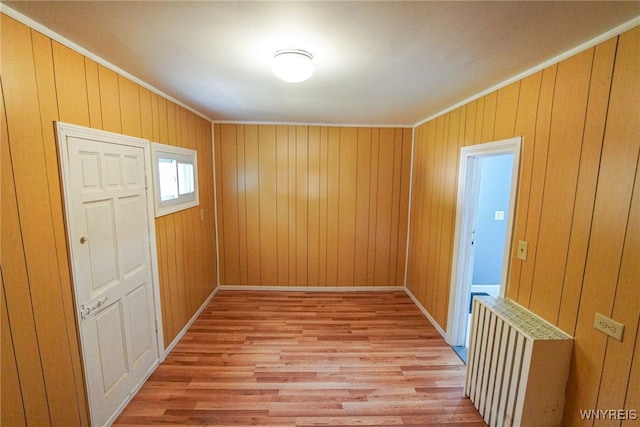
x,y
571,52
73,46
341,125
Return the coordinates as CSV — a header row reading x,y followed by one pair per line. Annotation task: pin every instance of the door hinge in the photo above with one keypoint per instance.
x,y
146,182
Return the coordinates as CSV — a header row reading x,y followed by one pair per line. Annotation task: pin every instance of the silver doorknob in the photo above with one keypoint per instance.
x,y
84,239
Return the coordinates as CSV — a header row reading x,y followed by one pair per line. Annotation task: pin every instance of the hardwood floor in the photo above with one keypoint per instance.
x,y
307,359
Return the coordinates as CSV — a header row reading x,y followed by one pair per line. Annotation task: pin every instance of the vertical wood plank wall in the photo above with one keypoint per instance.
x,y
578,206
42,81
312,205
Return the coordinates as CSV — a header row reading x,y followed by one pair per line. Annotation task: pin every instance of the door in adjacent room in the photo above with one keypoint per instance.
x,y
484,220
108,228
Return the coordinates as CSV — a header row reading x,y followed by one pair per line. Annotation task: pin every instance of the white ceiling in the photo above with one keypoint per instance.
x,y
377,63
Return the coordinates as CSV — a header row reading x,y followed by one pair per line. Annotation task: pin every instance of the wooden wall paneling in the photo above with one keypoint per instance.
x,y
392,151
426,195
302,203
172,276
568,114
626,310
229,219
172,125
109,100
470,123
165,288
429,209
146,113
447,224
186,135
11,402
32,195
19,343
93,93
129,107
543,123
241,179
191,223
282,200
525,126
323,205
384,208
506,111
632,399
362,196
70,81
210,243
372,244
403,222
19,305
598,102
200,231
618,168
333,204
155,116
163,122
252,193
178,257
417,222
435,231
441,258
313,206
347,206
292,203
489,117
268,206
479,121
220,207
48,105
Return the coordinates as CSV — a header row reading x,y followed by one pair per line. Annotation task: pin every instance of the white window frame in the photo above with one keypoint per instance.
x,y
182,155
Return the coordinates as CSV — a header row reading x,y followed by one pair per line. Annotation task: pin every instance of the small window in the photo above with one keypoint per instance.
x,y
175,178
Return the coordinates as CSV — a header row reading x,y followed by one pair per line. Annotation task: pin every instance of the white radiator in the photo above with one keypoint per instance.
x,y
518,365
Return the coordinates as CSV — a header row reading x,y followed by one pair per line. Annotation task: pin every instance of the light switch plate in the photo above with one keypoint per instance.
x,y
608,326
522,250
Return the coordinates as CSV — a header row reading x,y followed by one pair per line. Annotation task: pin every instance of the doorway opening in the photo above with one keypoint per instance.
x,y
487,185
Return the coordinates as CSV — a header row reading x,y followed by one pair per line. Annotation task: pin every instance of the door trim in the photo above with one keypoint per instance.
x,y
462,253
65,130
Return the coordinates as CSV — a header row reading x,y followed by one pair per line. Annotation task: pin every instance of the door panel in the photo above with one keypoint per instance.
x,y
108,227
111,342
138,312
101,246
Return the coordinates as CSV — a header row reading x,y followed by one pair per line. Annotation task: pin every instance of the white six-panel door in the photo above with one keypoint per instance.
x,y
108,228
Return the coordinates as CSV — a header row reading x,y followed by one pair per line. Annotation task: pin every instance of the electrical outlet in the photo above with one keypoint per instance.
x,y
498,215
522,250
608,326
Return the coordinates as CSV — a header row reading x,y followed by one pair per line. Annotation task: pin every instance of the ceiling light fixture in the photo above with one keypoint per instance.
x,y
293,65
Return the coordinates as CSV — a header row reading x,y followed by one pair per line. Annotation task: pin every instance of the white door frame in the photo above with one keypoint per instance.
x,y
462,260
65,130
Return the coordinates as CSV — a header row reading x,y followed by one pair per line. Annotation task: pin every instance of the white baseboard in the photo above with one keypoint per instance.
x,y
312,288
426,313
184,330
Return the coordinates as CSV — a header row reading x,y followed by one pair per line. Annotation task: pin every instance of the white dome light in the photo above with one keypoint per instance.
x,y
293,65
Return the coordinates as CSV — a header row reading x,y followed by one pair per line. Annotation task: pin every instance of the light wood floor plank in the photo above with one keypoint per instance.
x,y
307,359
